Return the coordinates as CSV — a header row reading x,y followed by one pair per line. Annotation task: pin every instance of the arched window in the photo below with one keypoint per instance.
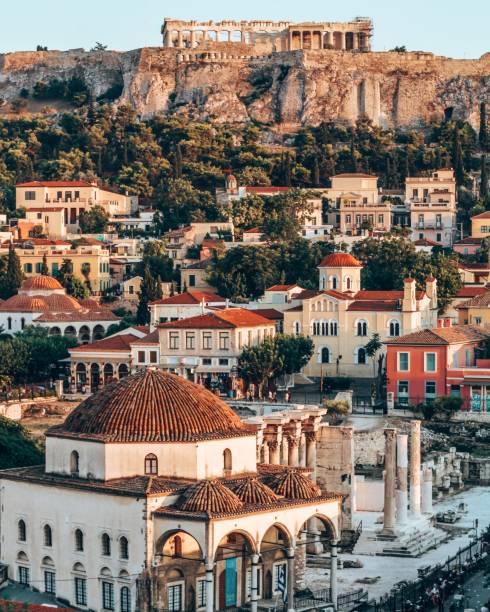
x,y
324,328
124,548
74,463
297,328
125,599
48,536
22,323
78,540
151,465
361,355
325,355
333,328
9,322
348,283
227,462
106,545
394,328
21,531
176,546
322,282
333,282
362,328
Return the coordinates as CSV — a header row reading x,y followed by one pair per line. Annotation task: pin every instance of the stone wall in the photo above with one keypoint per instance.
x,y
282,90
369,447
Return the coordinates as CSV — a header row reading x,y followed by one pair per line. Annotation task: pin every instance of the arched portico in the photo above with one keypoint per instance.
x,y
233,565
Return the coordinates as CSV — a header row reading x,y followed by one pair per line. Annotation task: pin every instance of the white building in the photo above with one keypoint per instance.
x,y
153,496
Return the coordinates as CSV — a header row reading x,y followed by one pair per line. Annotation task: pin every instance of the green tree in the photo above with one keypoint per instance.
x,y
294,352
483,178
457,154
12,278
150,290
94,220
17,447
73,285
44,266
260,363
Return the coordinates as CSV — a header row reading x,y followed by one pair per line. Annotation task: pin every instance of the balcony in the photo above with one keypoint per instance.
x,y
429,226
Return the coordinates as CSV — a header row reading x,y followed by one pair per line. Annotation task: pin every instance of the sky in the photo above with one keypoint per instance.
x,y
445,27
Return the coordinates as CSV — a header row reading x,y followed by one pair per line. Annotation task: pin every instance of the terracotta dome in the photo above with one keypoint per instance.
x,y
252,491
210,496
340,260
152,406
41,283
63,303
295,485
90,304
25,303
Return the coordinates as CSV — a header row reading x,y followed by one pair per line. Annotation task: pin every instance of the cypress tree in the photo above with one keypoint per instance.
x,y
287,170
458,159
178,162
483,178
148,293
483,136
316,172
13,277
44,266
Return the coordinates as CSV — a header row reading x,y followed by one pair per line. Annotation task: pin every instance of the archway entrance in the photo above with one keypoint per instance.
x,y
273,552
233,566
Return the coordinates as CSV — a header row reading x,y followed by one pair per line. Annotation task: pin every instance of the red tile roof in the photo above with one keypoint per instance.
x,y
112,344
483,215
469,240
266,190
384,295
282,287
374,305
340,260
229,318
470,292
42,282
56,184
104,315
270,313
253,230
191,297
152,338
443,336
426,242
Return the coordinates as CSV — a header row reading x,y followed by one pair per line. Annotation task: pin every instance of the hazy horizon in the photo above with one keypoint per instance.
x,y
444,28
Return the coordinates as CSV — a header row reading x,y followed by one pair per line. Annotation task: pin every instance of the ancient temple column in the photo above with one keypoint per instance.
x,y
273,452
193,39
390,480
300,561
179,39
355,41
402,476
427,491
265,450
302,450
254,584
311,452
285,450
333,572
290,579
209,587
342,41
415,467
293,448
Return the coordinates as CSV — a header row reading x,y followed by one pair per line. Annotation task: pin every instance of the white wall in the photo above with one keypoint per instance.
x,y
369,495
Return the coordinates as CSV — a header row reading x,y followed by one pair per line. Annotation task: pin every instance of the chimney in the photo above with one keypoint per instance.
x,y
409,298
227,303
431,290
202,306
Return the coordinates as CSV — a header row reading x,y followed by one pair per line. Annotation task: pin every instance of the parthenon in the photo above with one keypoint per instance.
x,y
270,36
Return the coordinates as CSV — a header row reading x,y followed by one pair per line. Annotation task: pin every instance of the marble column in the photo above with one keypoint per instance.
x,y
293,448
333,572
290,579
342,41
355,41
209,587
311,452
284,450
402,476
390,481
273,452
254,584
427,491
193,39
415,467
265,451
179,39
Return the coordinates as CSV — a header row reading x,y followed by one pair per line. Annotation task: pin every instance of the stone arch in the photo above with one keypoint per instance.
x,y
80,376
232,558
273,552
98,332
108,373
190,545
47,562
122,370
70,331
324,354
94,376
55,331
84,334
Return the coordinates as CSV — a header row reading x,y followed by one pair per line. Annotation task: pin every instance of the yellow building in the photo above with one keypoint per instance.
x,y
89,262
475,311
480,225
56,205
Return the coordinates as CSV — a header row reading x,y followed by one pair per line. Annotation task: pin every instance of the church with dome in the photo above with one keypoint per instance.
x,y
155,495
42,300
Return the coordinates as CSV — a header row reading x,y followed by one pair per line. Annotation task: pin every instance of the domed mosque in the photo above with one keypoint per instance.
x,y
152,497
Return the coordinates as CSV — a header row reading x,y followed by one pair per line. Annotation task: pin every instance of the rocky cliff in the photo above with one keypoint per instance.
x,y
283,90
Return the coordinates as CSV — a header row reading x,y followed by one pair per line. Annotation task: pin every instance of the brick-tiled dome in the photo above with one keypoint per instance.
x,y
210,496
292,484
151,406
42,283
252,491
340,260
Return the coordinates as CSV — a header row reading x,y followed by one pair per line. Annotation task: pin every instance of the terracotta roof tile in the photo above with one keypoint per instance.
x,y
374,306
227,318
253,491
42,282
443,336
271,313
340,260
292,484
470,292
282,287
152,338
481,300
121,342
210,497
266,190
191,297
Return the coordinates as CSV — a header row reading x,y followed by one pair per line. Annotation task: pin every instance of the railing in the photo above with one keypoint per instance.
x,y
313,600
346,600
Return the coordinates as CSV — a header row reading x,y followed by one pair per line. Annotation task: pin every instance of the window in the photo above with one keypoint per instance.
x,y
394,328
223,362
21,531
79,540
348,219
141,356
361,355
38,267
9,322
467,358
107,596
174,597
48,536
279,579
28,268
207,340
430,362
348,283
74,463
54,268
403,362
151,465
123,548
403,391
24,575
81,591
153,357
49,582
125,599
224,341
174,340
325,355
362,328
206,361
227,462
190,341
477,320
30,195
430,390
201,593
381,219
333,328
297,328
192,280
176,546
22,323
455,360
334,282
106,545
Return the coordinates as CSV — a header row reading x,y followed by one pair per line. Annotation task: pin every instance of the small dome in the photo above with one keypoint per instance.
x,y
152,406
90,304
42,283
59,303
340,260
210,496
252,491
295,485
24,303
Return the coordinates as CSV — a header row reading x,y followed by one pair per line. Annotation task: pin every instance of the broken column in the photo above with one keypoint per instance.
x,y
415,467
427,491
402,476
390,481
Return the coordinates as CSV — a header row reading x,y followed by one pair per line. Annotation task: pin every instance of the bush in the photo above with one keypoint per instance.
x,y
336,408
17,448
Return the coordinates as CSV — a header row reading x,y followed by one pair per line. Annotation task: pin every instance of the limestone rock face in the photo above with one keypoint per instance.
x,y
282,91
